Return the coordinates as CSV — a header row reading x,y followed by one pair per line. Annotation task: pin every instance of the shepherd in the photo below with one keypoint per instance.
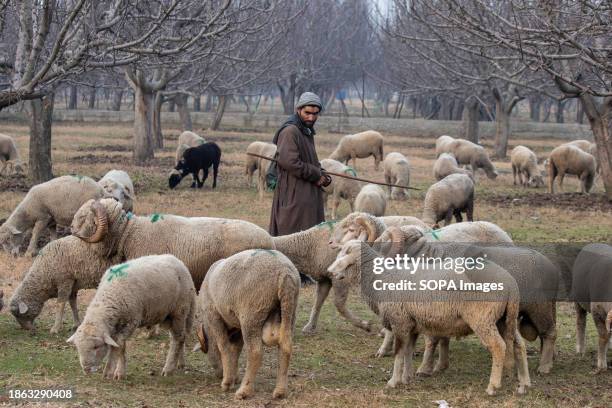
x,y
298,198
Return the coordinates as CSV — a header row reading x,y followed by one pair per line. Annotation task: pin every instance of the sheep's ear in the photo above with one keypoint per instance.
x,y
202,338
109,340
72,338
23,308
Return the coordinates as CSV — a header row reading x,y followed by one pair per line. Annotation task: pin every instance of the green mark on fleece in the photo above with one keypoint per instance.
x,y
156,217
117,271
330,224
434,233
270,251
351,171
76,176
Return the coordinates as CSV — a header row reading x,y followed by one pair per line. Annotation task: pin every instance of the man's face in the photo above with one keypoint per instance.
x,y
308,115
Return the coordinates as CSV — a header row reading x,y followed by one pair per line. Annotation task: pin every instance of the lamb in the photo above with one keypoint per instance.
x,y
340,187
118,184
569,159
443,144
592,292
371,199
146,291
51,203
196,159
445,165
397,171
249,298
445,313
359,145
186,140
255,163
525,163
450,196
10,162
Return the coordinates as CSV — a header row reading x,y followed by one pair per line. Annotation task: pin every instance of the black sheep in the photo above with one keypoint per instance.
x,y
195,159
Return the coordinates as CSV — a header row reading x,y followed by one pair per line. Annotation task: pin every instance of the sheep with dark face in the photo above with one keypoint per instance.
x,y
196,159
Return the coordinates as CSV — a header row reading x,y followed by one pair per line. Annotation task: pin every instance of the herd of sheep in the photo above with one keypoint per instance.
x,y
237,286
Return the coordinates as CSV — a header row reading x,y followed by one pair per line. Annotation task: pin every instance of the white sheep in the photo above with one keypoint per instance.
x,y
250,298
186,140
397,171
340,188
443,144
466,152
256,163
10,162
445,165
49,204
525,163
450,196
408,313
371,199
118,184
569,159
359,145
155,289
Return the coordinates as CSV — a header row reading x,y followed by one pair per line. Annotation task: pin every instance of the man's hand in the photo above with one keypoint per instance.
x,y
324,181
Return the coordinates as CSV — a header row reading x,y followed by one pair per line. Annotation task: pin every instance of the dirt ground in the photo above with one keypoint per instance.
x,y
336,366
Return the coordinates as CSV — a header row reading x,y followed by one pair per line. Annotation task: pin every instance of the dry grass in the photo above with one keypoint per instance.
x,y
334,368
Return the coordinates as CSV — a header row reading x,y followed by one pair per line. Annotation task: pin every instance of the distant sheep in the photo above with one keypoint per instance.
x,y
466,152
445,165
250,298
196,159
118,184
186,140
450,196
261,165
340,188
10,162
359,145
371,199
525,163
443,144
143,292
569,159
397,171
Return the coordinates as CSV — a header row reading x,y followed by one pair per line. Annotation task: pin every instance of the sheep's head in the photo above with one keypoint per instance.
x,y
536,181
208,346
10,238
24,311
347,260
93,344
19,167
341,230
116,190
90,223
177,174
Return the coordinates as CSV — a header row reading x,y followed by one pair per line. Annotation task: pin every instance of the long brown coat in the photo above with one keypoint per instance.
x,y
298,202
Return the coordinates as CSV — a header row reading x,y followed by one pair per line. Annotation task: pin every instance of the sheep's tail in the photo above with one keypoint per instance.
x,y
512,312
609,322
288,291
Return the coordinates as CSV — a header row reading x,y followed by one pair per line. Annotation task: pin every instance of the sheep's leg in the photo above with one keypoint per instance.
x,y
520,359
388,181
426,367
111,364
75,310
561,177
39,227
458,216
469,209
514,175
354,159
215,173
177,345
252,341
401,344
218,332
548,334
341,292
235,348
580,329
443,361
604,341
121,367
407,373
323,288
285,345
385,347
204,177
335,204
64,292
448,217
493,341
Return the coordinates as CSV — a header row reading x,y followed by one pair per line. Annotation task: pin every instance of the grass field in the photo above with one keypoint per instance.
x,y
335,367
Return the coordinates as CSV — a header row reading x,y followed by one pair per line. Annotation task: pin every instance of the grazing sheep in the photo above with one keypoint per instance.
x,y
443,144
340,187
569,159
198,242
63,267
118,184
10,162
397,171
450,196
584,145
359,145
592,292
475,155
48,204
143,292
249,298
445,165
186,140
261,165
371,199
196,159
525,163
409,313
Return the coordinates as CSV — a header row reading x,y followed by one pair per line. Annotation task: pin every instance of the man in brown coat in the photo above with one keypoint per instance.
x,y
298,198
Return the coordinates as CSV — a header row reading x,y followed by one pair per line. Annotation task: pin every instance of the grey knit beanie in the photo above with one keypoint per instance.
x,y
309,98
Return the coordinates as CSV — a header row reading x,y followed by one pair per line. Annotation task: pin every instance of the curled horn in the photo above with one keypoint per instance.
x,y
101,222
369,227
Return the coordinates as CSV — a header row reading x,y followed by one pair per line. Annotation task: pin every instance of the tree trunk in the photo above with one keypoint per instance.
x,y
92,99
579,113
41,120
144,142
471,112
560,111
171,105
535,104
116,102
196,102
288,95
502,130
158,137
220,111
457,113
183,110
209,103
72,101
547,109
446,108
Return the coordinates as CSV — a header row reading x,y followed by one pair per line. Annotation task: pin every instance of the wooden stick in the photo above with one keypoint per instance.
x,y
343,175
